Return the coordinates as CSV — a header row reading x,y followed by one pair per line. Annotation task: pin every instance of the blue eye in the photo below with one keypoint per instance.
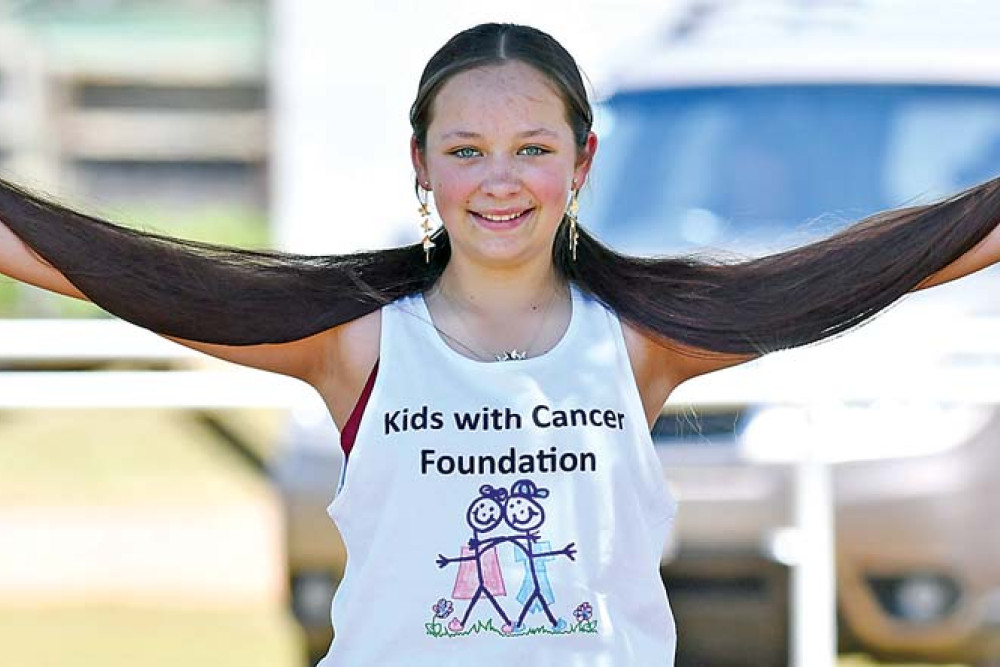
x,y
465,152
534,150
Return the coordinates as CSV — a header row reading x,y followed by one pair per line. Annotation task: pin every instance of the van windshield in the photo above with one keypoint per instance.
x,y
756,169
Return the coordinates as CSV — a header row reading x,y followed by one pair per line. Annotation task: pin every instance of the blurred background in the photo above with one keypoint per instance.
x,y
156,507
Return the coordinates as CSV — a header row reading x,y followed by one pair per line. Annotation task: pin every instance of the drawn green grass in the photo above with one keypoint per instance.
x,y
436,629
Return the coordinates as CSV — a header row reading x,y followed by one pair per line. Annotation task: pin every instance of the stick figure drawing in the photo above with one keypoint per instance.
x,y
479,571
524,514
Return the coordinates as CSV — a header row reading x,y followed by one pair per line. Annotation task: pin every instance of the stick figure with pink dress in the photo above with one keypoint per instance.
x,y
479,572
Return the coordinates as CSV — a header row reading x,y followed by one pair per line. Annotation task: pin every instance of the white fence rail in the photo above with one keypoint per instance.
x,y
46,342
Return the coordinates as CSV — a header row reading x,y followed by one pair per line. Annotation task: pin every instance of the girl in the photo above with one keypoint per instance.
x,y
508,316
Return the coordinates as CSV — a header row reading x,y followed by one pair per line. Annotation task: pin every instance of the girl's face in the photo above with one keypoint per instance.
x,y
484,514
500,159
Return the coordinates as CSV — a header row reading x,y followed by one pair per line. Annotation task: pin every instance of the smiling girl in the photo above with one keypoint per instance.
x,y
510,306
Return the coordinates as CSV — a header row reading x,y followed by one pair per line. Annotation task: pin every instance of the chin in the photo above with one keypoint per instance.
x,y
497,256
501,250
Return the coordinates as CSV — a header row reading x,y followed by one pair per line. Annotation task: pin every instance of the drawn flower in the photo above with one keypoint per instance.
x,y
584,612
443,608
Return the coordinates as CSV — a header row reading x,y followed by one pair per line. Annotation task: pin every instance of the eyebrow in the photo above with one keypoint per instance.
x,y
465,134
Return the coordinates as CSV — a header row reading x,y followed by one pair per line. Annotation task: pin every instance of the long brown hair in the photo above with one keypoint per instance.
x,y
219,294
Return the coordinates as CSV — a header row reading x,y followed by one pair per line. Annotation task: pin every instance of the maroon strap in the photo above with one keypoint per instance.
x,y
350,431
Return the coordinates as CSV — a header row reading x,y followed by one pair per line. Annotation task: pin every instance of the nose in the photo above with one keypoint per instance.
x,y
501,180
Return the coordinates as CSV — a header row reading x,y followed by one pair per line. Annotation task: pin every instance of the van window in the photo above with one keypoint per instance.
x,y
761,168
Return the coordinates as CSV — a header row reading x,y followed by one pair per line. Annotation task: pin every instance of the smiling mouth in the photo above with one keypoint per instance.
x,y
530,517
502,221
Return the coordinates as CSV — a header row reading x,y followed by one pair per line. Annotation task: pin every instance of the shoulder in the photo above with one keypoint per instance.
x,y
357,343
352,349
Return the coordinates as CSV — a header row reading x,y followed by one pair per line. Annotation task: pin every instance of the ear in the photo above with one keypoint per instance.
x,y
585,160
417,158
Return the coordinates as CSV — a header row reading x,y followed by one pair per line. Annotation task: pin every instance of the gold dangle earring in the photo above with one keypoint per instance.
x,y
425,223
571,212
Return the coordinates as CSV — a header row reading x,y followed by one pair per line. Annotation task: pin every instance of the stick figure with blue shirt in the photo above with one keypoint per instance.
x,y
524,514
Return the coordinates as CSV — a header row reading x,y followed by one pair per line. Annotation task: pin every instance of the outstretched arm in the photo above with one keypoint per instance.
x,y
312,317
301,358
689,316
443,560
206,292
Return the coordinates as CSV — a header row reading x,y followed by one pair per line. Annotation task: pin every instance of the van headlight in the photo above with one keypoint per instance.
x,y
918,598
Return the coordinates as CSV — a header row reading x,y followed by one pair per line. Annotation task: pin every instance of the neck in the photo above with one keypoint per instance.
x,y
484,290
483,313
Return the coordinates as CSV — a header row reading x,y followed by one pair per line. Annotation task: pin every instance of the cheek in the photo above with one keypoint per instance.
x,y
549,187
453,187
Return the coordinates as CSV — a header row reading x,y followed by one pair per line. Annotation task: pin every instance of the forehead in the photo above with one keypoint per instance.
x,y
512,97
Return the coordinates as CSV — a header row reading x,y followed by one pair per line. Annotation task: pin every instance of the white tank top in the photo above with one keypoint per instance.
x,y
508,513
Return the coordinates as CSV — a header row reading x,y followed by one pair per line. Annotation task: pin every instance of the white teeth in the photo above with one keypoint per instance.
x,y
500,218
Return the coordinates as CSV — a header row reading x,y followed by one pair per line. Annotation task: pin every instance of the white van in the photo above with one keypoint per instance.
x,y
749,127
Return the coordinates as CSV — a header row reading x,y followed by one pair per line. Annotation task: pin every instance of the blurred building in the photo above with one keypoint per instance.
x,y
135,102
149,112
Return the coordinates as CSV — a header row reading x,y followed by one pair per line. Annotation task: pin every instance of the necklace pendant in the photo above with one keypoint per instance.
x,y
511,355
